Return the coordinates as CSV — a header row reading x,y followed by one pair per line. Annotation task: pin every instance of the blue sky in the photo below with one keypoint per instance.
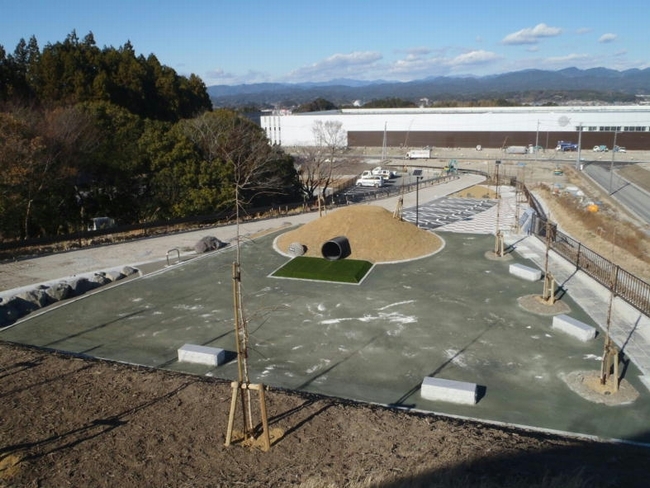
x,y
251,41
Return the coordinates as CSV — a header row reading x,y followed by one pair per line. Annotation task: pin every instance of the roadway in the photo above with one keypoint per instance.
x,y
629,195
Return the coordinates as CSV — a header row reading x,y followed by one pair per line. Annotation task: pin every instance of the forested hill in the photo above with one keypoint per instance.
x,y
88,132
77,70
531,86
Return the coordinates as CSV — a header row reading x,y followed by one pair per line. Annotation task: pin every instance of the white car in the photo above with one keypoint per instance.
x,y
386,173
374,180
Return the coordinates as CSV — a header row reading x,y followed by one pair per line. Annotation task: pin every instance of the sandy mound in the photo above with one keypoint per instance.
x,y
373,233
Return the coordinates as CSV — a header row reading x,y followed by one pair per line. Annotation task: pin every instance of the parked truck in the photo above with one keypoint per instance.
x,y
419,154
566,146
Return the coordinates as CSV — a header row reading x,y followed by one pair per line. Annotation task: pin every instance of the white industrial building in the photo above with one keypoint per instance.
x,y
489,127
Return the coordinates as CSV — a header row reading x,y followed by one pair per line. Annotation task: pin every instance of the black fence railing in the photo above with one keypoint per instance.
x,y
622,283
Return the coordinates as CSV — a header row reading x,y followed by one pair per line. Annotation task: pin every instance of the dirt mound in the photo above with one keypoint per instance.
x,y
374,235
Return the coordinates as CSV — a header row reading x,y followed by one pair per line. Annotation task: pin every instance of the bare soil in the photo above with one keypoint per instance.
x,y
69,421
373,233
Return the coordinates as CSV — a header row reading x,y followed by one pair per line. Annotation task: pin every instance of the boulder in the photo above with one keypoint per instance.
x,y
207,244
59,291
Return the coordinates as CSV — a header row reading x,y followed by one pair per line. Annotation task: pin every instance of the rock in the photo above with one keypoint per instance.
x,y
207,244
100,278
115,275
13,309
128,270
59,291
296,249
82,285
37,297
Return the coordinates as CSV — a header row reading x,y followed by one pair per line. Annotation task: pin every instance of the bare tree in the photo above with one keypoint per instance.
x,y
321,164
247,165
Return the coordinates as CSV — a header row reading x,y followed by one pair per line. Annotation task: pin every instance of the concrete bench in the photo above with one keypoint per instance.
x,y
191,353
574,327
438,389
525,272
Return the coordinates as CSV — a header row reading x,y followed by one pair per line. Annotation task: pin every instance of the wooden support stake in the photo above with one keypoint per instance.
x,y
265,420
498,244
237,388
233,408
548,295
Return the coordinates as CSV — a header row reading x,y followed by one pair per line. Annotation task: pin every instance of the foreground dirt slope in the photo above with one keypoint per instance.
x,y
77,422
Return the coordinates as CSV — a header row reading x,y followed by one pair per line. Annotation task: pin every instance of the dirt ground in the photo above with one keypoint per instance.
x,y
373,233
69,421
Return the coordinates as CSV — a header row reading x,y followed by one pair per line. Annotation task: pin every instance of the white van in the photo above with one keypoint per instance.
x,y
373,180
385,173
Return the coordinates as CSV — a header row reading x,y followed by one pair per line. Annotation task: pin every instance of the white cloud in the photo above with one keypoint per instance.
x,y
583,30
531,35
474,58
336,66
413,67
605,38
220,77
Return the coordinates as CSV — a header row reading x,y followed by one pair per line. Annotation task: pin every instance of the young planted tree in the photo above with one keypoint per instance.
x,y
250,167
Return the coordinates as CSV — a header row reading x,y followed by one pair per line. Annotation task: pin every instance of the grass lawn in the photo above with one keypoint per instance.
x,y
309,268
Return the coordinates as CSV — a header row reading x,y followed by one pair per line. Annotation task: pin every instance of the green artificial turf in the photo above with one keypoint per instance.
x,y
308,268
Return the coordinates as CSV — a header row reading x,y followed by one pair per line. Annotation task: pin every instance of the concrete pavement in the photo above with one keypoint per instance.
x,y
453,315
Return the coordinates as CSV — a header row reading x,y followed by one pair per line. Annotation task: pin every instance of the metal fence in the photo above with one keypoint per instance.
x,y
622,283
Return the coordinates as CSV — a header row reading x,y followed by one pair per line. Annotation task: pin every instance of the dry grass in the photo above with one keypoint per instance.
x,y
607,232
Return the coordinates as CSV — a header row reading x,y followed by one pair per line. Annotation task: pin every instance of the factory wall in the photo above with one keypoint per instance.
x,y
491,127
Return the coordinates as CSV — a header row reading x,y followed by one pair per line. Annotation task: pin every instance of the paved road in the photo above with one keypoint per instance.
x,y
631,196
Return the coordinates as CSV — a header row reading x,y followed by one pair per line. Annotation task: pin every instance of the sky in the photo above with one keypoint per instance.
x,y
231,42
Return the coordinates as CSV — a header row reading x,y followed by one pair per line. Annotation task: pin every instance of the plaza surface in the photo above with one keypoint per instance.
x,y
453,315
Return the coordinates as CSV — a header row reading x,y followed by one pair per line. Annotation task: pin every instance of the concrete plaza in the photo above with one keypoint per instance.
x,y
453,315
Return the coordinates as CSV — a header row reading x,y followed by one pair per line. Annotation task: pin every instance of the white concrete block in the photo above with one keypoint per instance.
x,y
438,389
191,353
574,327
525,272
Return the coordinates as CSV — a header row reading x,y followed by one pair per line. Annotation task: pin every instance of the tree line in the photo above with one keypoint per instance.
x,y
88,132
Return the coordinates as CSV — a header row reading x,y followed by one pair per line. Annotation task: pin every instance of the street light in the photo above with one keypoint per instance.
x,y
418,176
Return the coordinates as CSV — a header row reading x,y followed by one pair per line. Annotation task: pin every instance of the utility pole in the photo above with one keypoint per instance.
x,y
579,146
537,141
611,167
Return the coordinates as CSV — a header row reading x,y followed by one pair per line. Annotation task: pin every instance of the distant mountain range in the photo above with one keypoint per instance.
x,y
530,86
